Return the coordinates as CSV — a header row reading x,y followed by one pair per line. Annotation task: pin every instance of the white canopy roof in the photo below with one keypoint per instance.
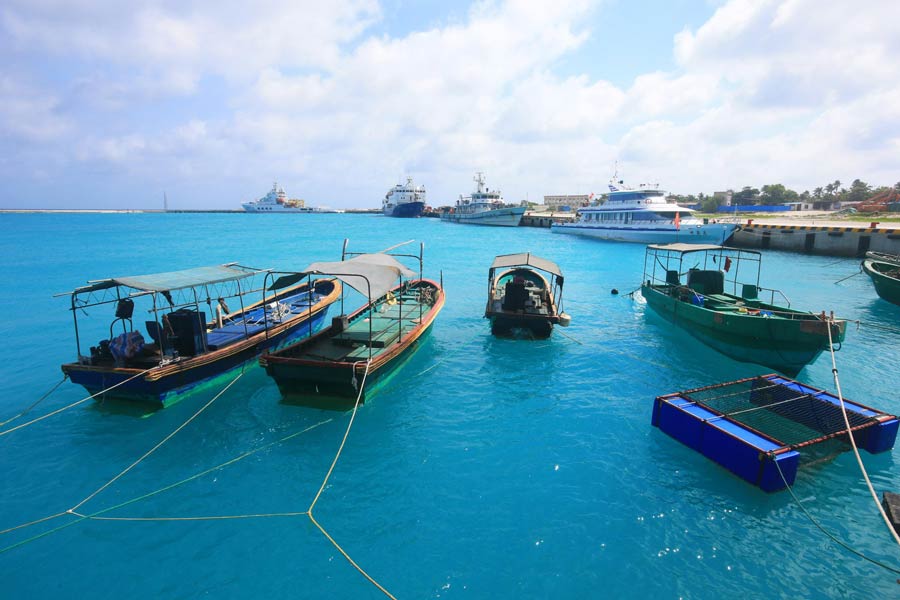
x,y
526,258
372,275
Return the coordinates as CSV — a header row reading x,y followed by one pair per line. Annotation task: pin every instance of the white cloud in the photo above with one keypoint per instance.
x,y
796,91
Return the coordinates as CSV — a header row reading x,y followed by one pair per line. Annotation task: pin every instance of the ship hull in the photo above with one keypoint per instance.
x,y
501,217
407,210
712,233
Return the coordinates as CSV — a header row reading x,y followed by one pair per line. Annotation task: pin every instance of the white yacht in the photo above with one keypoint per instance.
x,y
277,201
643,215
484,207
404,200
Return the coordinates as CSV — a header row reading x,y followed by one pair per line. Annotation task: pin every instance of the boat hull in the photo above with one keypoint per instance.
x,y
529,318
501,217
784,344
407,210
888,288
166,384
711,233
305,378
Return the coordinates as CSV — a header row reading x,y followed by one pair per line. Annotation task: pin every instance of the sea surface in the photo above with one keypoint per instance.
x,y
486,468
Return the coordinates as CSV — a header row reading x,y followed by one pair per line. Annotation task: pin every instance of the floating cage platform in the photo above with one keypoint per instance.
x,y
757,426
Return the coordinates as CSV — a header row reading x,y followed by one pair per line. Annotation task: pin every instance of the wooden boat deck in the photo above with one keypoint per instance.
x,y
389,323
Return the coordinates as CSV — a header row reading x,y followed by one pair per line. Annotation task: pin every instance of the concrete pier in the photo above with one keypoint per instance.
x,y
827,238
544,219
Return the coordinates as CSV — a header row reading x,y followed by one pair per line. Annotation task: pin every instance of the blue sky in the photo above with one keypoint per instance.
x,y
111,105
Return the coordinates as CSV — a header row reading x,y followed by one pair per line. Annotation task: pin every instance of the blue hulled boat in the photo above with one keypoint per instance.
x,y
184,350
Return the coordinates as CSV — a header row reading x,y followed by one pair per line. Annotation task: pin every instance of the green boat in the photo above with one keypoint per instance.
x,y
360,352
884,270
713,292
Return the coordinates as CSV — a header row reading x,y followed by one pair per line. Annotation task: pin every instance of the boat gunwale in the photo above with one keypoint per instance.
x,y
378,360
185,364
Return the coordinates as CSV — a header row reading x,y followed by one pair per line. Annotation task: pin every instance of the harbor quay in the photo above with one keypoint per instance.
x,y
816,236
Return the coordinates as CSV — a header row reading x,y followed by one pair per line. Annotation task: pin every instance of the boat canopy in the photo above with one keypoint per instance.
x,y
373,274
174,280
684,248
526,258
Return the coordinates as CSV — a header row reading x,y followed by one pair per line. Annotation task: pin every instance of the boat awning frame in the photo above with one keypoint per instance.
x,y
372,275
172,280
526,259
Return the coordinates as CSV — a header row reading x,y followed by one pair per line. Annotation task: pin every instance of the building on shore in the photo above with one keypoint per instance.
x,y
572,200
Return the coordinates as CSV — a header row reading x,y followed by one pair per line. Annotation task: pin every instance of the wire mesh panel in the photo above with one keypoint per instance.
x,y
785,414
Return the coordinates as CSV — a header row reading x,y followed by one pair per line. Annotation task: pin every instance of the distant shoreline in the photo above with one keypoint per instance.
x,y
161,211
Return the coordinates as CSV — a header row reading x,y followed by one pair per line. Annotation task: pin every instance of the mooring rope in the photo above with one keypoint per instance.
x,y
862,467
157,446
67,407
36,402
97,514
309,511
830,535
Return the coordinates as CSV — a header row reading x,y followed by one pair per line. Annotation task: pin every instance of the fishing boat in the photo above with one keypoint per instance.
x,y
277,201
713,292
184,350
884,270
484,207
404,200
521,299
643,215
347,361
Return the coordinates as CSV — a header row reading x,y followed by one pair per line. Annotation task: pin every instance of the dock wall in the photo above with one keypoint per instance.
x,y
810,239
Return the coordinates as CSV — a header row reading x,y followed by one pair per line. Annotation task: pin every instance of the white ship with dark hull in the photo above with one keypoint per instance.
x,y
404,200
484,207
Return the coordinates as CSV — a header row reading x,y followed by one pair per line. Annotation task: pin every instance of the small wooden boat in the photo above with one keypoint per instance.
x,y
521,299
349,359
186,351
719,304
884,270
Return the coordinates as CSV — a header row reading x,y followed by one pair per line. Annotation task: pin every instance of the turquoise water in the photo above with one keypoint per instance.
x,y
485,468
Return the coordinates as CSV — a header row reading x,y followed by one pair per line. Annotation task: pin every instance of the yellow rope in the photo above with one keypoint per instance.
x,y
36,402
96,516
73,405
350,560
309,512
204,518
362,388
30,523
156,447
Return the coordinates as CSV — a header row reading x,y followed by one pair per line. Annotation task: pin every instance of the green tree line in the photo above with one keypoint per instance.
x,y
777,193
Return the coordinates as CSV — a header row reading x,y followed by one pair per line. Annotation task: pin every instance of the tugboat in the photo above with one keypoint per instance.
x,y
404,200
484,207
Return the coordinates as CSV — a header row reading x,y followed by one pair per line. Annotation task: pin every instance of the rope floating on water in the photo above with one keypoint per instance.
x,y
157,446
337,456
36,402
862,467
97,515
830,535
74,404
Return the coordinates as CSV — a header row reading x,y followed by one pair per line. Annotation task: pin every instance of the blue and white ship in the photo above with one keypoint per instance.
x,y
643,215
404,200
